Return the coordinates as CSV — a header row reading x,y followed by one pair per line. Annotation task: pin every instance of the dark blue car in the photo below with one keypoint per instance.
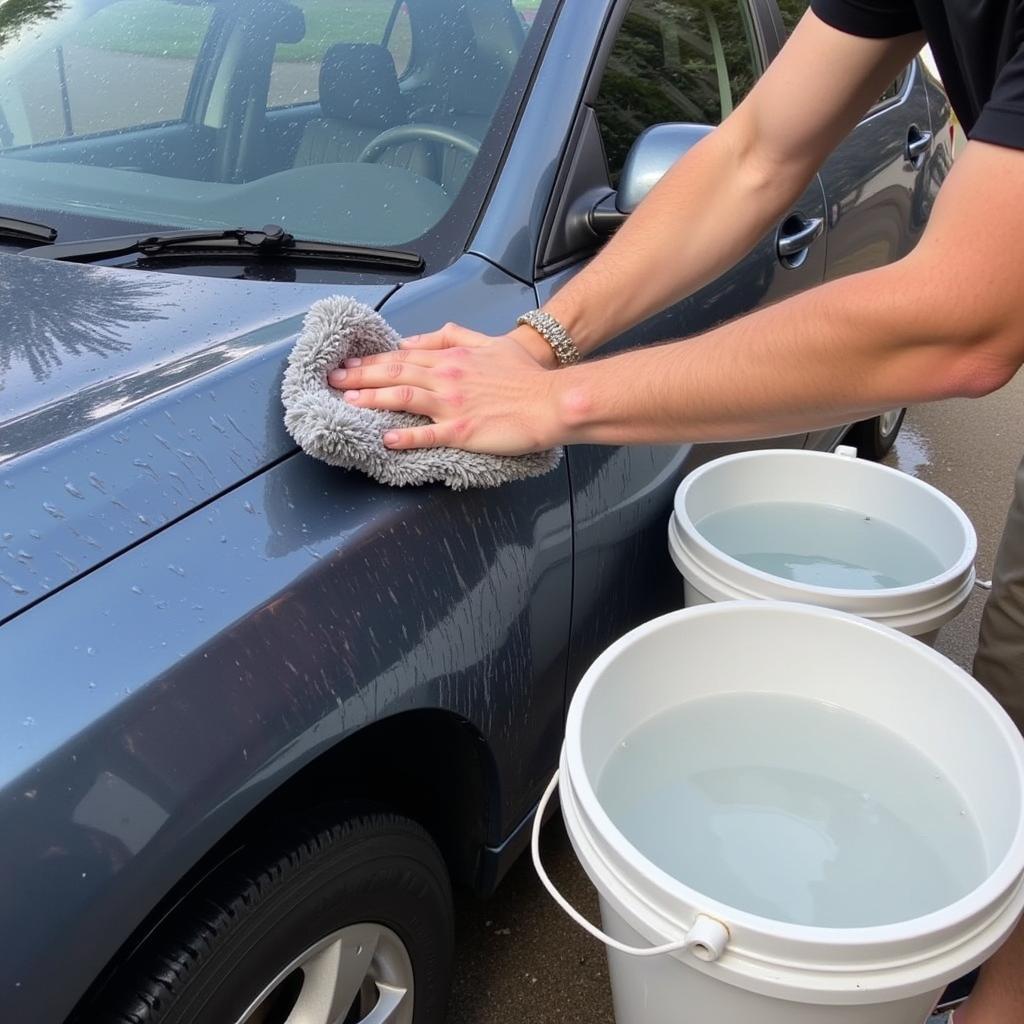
x,y
260,715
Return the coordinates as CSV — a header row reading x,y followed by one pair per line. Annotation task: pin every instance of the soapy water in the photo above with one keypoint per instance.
x,y
794,810
820,545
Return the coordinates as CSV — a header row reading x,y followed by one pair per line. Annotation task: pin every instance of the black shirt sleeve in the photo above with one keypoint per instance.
x,y
1002,118
872,19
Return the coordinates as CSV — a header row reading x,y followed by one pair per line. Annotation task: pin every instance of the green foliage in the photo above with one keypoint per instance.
x,y
163,28
792,11
17,15
663,68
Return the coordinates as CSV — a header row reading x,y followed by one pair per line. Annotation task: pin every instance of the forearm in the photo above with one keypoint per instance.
x,y
828,356
699,220
729,190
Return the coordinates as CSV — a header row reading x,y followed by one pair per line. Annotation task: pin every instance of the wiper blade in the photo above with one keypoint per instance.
x,y
271,240
28,231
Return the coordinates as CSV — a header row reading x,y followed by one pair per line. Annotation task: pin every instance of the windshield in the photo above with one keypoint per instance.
x,y
341,120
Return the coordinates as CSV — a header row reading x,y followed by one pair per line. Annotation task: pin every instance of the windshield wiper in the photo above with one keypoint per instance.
x,y
14,230
271,240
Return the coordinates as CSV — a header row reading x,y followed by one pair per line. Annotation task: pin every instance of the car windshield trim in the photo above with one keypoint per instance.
x,y
271,240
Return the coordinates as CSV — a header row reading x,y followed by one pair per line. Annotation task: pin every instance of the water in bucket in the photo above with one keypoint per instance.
x,y
820,545
794,810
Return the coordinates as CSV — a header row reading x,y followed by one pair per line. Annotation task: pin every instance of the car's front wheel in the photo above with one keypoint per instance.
x,y
875,437
339,923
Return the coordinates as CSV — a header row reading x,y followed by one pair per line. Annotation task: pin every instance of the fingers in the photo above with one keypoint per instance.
x,y
432,339
416,357
374,372
398,399
449,336
423,349
434,435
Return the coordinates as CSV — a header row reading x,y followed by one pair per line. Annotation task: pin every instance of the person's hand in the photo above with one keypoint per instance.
x,y
484,394
453,336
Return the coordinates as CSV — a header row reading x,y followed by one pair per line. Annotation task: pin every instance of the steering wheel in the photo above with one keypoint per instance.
x,y
418,133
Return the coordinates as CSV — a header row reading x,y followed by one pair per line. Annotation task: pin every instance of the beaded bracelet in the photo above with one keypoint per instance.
x,y
554,334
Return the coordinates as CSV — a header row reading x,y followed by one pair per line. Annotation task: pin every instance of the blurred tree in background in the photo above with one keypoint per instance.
x,y
674,61
16,15
792,11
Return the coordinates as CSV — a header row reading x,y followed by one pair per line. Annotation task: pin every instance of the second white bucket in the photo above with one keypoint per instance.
x,y
759,885
773,486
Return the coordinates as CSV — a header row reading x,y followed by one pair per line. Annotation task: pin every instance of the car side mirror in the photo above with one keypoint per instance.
x,y
651,156
656,149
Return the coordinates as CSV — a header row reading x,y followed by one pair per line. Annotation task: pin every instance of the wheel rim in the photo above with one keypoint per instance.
x,y
361,974
889,421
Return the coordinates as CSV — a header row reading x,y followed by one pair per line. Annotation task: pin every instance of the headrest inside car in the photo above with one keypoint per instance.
x,y
358,83
285,23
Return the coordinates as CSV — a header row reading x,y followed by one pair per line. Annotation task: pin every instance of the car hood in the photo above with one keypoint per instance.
x,y
127,399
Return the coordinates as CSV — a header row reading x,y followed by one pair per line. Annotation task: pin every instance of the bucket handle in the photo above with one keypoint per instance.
x,y
706,938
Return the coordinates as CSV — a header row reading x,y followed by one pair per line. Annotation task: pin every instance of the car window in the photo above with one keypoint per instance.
x,y
255,112
792,11
527,10
70,83
399,39
674,61
894,89
295,71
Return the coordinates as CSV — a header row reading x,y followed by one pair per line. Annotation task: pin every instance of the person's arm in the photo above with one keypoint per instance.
x,y
710,209
715,203
946,320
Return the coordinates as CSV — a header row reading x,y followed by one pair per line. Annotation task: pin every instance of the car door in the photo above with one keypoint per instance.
x,y
663,61
875,181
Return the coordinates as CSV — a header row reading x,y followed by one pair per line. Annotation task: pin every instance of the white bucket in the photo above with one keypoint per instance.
x,y
676,955
839,481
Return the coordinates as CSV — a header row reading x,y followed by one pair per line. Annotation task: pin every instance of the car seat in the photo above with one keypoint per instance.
x,y
359,99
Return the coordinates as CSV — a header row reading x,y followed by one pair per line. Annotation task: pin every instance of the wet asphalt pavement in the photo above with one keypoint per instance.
x,y
520,960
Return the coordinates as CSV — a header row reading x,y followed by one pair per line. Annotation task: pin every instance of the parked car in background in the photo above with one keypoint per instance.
x,y
260,715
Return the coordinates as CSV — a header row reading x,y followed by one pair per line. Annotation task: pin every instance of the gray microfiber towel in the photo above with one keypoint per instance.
x,y
329,428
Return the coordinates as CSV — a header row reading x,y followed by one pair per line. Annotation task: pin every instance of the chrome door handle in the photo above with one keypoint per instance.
x,y
792,243
918,143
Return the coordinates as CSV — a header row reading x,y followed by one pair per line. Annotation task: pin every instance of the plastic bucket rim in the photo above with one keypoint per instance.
x,y
959,570
944,600
688,529
999,880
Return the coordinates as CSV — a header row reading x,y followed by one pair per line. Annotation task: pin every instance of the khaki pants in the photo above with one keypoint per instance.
x,y
999,663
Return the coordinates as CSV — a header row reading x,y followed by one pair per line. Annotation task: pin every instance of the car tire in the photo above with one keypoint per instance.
x,y
290,930
875,437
